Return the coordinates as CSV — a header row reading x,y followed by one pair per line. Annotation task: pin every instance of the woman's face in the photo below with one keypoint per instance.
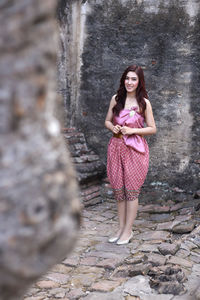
x,y
131,81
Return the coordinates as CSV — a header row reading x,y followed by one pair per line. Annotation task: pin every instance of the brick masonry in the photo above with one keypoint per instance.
x,y
89,167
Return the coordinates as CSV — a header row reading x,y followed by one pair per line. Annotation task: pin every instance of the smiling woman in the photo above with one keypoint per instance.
x,y
131,82
128,152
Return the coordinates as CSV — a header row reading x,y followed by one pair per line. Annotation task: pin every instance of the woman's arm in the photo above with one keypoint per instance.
x,y
151,126
109,117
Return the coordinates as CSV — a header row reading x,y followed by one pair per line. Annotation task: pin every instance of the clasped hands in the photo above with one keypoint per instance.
x,y
125,130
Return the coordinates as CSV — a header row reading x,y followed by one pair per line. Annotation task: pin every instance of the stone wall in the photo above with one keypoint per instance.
x,y
101,38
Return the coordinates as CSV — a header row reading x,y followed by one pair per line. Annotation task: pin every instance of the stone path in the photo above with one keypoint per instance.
x,y
162,262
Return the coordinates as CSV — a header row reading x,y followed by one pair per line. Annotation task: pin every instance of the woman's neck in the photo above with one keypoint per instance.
x,y
131,96
131,100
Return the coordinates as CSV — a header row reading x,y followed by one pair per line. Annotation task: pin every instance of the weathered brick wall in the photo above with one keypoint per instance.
x,y
102,38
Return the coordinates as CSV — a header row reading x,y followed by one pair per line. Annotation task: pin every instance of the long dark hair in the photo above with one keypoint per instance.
x,y
141,92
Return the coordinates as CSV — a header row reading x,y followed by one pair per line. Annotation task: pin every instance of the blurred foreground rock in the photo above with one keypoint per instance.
x,y
39,209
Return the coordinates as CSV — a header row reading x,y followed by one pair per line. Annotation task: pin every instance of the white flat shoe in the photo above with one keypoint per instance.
x,y
125,241
113,239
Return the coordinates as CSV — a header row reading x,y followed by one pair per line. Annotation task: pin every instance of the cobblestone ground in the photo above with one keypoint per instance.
x,y
162,262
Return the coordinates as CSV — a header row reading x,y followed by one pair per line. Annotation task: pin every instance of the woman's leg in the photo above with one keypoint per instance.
x,y
131,213
121,206
115,172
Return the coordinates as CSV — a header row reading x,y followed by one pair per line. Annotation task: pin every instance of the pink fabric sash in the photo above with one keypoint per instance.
x,y
132,118
135,141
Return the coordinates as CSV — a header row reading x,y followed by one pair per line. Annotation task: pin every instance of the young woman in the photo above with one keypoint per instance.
x,y
128,152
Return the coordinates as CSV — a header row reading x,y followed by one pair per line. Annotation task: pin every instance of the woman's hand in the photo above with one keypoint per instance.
x,y
127,130
116,129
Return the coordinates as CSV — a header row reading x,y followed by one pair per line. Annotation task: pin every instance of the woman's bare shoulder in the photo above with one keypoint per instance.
x,y
113,100
148,103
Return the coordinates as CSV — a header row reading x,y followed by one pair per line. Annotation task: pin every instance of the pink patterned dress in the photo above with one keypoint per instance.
x,y
128,157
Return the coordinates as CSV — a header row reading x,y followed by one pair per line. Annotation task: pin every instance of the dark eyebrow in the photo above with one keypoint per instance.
x,y
134,77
